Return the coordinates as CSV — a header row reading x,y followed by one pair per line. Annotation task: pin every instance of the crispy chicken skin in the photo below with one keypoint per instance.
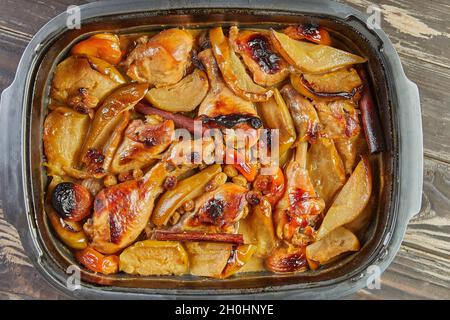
x,y
162,60
141,145
75,74
257,52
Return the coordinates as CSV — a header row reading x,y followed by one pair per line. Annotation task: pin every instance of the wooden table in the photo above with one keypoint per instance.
x,y
420,31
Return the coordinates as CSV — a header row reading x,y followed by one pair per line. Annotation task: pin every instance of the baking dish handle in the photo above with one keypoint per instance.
x,y
412,158
10,156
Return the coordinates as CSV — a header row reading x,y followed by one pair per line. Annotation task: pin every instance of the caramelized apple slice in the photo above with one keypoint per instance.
x,y
151,257
259,55
240,255
350,201
343,83
106,129
233,70
261,225
326,169
183,96
64,134
310,32
275,115
312,58
303,114
208,259
105,46
336,242
97,262
162,60
187,189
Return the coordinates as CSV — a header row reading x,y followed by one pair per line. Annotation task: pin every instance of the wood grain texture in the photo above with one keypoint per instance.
x,y
420,32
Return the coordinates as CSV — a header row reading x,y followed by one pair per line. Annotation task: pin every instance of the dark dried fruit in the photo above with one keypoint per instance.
x,y
72,201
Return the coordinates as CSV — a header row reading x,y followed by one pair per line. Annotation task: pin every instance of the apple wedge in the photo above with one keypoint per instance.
x,y
233,71
350,201
342,83
325,168
336,242
312,58
183,96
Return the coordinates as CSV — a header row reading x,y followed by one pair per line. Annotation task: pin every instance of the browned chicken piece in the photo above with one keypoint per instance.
x,y
222,108
217,211
162,60
105,133
341,123
142,144
298,211
303,114
259,55
79,85
122,211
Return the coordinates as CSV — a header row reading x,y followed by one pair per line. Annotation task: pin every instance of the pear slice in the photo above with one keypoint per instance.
x,y
312,58
338,241
350,201
183,96
233,70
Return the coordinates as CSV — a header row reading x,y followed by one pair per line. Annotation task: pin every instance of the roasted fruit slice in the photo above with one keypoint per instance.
x,y
142,145
304,115
208,259
187,189
350,201
151,257
162,60
105,46
64,134
71,233
272,186
107,127
218,210
298,211
275,115
233,70
77,73
326,169
97,262
287,259
340,84
341,123
259,55
260,223
240,255
336,242
72,201
183,96
310,57
310,32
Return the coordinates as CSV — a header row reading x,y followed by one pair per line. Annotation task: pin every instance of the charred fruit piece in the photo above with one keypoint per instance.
x,y
72,201
310,32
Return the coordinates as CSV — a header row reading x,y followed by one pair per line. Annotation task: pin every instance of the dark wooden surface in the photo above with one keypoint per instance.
x,y
420,31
